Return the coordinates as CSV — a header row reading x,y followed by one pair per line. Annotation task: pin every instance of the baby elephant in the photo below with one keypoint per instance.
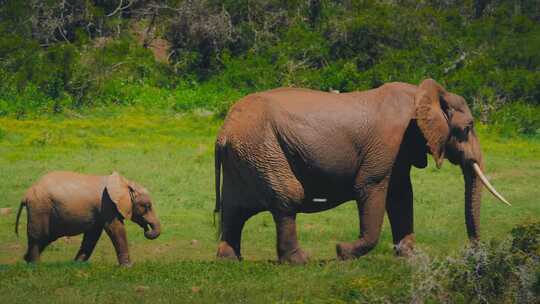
x,y
68,203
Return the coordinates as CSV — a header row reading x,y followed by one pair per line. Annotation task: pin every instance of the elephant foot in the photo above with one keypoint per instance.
x,y
405,247
348,251
226,252
81,258
295,257
345,251
124,260
126,265
30,260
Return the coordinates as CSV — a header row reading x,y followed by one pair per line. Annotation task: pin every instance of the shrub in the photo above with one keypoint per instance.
x,y
210,96
517,118
201,27
90,53
495,272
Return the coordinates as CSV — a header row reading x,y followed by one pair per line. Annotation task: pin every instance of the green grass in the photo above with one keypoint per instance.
x,y
172,155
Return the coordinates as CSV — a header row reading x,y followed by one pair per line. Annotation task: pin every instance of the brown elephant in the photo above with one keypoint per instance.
x,y
67,203
294,150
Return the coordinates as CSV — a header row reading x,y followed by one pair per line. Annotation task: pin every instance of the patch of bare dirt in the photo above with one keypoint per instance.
x,y
5,211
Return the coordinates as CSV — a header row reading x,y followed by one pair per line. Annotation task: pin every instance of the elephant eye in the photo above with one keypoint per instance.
x,y
450,113
466,131
461,134
144,207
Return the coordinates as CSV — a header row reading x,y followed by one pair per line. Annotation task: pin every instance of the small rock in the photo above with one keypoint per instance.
x,y
141,288
195,289
5,211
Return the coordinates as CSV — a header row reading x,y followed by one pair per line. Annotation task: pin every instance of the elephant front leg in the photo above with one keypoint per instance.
x,y
117,233
89,242
371,207
287,242
399,206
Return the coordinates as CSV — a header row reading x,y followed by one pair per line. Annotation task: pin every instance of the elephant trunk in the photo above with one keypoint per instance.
x,y
473,197
474,180
154,231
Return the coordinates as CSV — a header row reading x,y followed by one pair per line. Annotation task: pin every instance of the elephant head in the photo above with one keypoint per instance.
x,y
446,123
134,202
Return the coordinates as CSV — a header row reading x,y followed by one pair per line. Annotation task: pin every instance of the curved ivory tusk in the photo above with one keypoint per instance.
x,y
488,185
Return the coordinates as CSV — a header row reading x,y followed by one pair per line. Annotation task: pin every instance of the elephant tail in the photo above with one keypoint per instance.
x,y
219,148
21,206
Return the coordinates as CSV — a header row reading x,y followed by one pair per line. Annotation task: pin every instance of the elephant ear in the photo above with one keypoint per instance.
x,y
432,118
118,190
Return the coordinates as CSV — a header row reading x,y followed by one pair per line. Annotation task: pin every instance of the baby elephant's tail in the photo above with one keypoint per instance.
x,y
21,206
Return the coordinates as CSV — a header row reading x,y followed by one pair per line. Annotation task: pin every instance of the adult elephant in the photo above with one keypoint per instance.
x,y
296,150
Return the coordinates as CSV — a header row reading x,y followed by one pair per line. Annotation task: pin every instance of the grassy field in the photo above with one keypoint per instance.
x,y
172,155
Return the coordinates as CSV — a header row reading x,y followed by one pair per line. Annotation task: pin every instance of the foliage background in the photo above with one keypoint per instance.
x,y
182,55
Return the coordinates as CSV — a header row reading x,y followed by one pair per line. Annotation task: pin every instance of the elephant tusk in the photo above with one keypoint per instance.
x,y
488,185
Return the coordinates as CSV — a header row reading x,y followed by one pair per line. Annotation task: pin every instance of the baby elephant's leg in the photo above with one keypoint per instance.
x,y
89,242
117,233
35,248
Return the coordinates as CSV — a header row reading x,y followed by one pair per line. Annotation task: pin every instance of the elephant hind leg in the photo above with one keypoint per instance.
x,y
35,248
89,242
232,223
288,248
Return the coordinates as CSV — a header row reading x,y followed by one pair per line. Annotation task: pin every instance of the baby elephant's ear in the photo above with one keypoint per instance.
x,y
118,190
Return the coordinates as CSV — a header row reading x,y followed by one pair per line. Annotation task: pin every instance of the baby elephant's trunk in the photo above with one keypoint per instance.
x,y
154,231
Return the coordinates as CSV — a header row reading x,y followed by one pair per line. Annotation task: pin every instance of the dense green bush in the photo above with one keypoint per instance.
x,y
506,271
55,56
517,118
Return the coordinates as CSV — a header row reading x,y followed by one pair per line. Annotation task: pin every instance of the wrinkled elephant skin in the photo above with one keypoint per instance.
x,y
67,203
292,151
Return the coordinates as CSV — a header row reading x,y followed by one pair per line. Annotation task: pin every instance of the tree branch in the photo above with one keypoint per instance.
x,y
120,8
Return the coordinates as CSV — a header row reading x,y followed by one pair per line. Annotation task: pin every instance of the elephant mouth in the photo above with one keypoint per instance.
x,y
151,231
